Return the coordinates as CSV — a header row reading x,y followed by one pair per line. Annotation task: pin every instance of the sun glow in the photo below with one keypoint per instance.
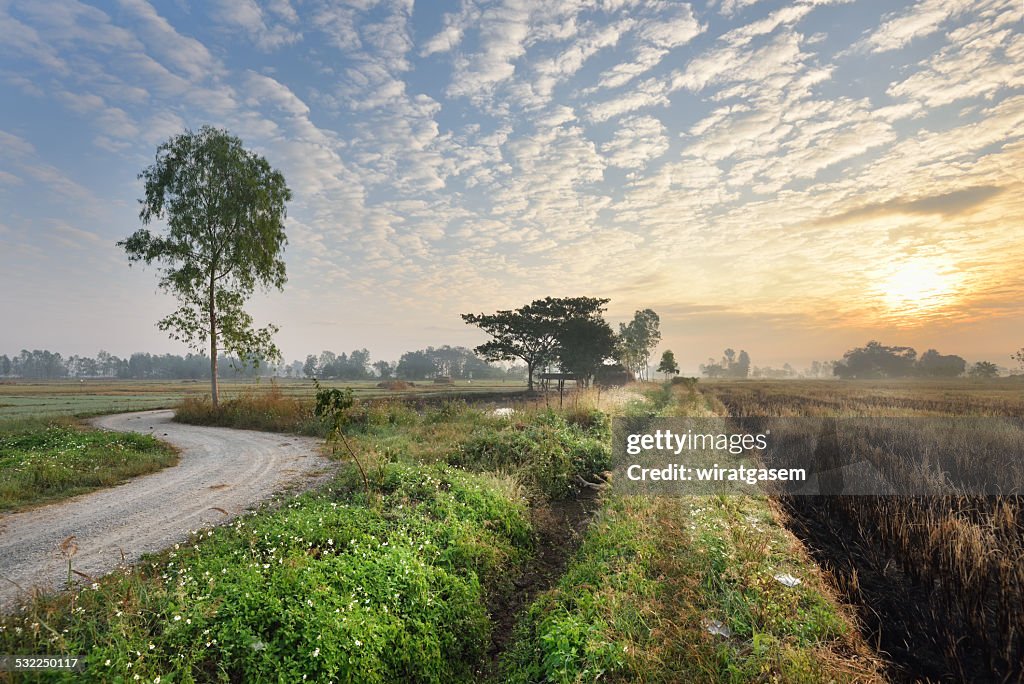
x,y
919,288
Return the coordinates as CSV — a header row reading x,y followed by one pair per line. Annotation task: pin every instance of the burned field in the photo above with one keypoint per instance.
x,y
938,578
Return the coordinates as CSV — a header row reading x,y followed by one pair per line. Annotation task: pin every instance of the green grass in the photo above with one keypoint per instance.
x,y
542,449
327,588
395,586
547,455
46,460
654,574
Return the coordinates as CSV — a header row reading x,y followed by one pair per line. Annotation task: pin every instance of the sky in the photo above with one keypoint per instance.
x,y
789,178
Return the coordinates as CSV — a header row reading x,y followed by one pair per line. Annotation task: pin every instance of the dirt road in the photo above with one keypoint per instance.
x,y
219,468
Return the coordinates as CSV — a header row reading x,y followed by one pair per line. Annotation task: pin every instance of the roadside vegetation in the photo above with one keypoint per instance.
x,y
45,460
460,565
334,585
685,589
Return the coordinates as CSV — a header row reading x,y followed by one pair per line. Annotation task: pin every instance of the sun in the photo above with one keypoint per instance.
x,y
919,287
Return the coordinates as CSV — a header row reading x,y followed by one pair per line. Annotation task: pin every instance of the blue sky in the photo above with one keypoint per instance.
x,y
787,178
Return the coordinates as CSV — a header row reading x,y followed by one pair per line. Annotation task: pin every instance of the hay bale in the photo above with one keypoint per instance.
x,y
394,385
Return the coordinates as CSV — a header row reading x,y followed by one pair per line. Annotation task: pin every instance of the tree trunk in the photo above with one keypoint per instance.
x,y
213,345
529,376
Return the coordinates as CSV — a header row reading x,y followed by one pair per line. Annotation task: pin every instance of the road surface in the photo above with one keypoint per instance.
x,y
221,473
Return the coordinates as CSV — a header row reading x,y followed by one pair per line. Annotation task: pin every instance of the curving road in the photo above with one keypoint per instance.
x,y
221,473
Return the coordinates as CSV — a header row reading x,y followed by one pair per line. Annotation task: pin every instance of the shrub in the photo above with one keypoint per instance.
x,y
547,455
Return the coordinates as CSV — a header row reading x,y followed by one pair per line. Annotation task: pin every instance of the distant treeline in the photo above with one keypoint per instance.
x,y
457,363
44,364
454,362
876,360
872,361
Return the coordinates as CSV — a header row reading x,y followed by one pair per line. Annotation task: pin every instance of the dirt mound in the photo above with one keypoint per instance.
x,y
395,384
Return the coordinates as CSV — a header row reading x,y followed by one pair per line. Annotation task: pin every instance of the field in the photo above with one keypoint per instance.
x,y
479,553
939,580
99,396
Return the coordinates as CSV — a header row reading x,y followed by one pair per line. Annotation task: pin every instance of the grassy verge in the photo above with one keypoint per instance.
x,y
46,460
686,589
546,451
327,588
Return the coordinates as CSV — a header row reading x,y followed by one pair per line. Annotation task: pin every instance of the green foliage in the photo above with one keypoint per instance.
x,y
45,460
637,341
584,628
984,369
324,589
547,454
668,364
532,333
584,344
331,405
224,207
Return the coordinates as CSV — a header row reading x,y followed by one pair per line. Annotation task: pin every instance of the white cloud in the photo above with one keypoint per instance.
x,y
981,58
248,16
650,93
638,139
503,30
923,18
645,59
186,54
450,35
671,32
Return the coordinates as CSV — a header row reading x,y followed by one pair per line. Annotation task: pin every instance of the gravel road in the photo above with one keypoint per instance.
x,y
220,468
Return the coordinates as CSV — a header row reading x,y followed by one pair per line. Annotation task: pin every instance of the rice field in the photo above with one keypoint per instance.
x,y
32,398
938,579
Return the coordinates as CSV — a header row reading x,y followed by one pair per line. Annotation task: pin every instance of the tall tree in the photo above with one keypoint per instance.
x,y
637,341
225,208
741,368
668,364
531,333
309,368
383,368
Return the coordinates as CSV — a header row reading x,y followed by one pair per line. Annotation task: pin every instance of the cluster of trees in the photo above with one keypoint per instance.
x,y
569,334
354,366
455,362
637,339
458,363
730,365
787,371
876,360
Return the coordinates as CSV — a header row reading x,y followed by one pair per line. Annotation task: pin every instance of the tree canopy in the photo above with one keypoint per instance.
x,y
536,333
637,340
876,360
668,364
224,207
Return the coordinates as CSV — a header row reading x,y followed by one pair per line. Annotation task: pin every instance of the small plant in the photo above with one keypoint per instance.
x,y
332,404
